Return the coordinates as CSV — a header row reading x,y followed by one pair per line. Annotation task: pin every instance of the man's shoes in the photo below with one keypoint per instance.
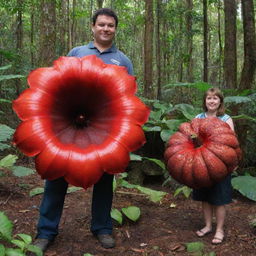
x,y
106,240
42,243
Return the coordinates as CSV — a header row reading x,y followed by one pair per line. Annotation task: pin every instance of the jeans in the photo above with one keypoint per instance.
x,y
53,202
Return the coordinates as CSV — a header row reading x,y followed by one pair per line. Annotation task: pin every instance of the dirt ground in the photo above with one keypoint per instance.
x,y
163,229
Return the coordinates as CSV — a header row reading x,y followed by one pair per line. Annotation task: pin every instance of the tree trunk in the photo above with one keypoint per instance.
x,y
19,40
205,76
32,30
189,40
100,3
249,67
230,53
220,43
148,49
158,48
73,24
47,33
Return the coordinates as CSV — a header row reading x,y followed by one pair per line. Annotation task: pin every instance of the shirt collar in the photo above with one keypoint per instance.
x,y
111,49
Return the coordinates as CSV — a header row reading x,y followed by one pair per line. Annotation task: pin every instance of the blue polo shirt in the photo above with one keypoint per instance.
x,y
109,56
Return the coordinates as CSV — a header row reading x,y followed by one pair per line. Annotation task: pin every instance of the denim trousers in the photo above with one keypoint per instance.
x,y
53,202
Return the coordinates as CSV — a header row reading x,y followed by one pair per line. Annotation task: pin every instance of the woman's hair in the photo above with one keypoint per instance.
x,y
216,92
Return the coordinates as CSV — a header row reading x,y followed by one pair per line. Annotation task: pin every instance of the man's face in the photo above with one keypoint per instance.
x,y
104,29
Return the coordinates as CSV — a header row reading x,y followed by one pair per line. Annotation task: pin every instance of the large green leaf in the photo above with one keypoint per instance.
x,y
4,146
5,132
237,99
21,171
246,117
154,195
8,161
36,191
7,77
194,247
132,212
73,189
26,238
117,215
5,227
166,134
202,86
14,252
35,249
19,243
5,67
134,157
156,161
5,101
2,250
246,185
187,110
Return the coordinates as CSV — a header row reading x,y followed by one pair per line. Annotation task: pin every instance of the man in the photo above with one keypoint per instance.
x,y
104,24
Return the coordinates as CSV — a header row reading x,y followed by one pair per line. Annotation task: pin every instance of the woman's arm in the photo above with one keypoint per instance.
x,y
230,123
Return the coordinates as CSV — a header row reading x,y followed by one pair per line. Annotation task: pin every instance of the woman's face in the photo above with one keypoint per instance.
x,y
212,102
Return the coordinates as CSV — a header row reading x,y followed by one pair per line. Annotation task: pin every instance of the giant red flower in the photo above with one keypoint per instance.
x,y
80,119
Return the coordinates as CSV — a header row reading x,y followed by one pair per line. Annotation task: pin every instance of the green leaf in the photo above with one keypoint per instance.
x,y
36,191
4,146
7,77
19,244
5,67
132,212
237,99
117,215
156,161
8,161
5,227
245,117
154,195
156,115
173,124
246,185
194,247
166,134
21,171
134,157
87,254
126,184
184,189
5,101
14,252
6,132
2,250
73,189
188,111
35,249
26,238
152,129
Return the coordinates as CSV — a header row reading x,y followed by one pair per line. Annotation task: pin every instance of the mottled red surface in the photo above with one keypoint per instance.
x,y
162,230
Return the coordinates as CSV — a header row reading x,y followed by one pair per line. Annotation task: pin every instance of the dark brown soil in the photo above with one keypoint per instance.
x,y
163,229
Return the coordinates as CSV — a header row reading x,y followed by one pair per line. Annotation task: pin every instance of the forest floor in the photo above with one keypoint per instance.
x,y
163,229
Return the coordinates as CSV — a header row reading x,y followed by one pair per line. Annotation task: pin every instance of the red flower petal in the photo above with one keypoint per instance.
x,y
80,118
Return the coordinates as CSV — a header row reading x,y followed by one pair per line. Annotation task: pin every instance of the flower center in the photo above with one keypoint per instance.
x,y
80,121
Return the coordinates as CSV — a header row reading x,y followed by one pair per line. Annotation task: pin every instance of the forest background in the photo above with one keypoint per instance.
x,y
179,48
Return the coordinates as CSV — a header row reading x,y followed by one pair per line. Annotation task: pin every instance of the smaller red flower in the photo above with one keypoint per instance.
x,y
202,152
81,118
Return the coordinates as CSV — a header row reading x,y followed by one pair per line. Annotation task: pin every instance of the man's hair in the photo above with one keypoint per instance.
x,y
106,12
217,92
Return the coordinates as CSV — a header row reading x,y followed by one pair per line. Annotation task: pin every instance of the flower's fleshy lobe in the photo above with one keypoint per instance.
x,y
80,118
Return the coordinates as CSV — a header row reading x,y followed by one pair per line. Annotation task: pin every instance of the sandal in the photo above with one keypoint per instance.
x,y
202,232
217,238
